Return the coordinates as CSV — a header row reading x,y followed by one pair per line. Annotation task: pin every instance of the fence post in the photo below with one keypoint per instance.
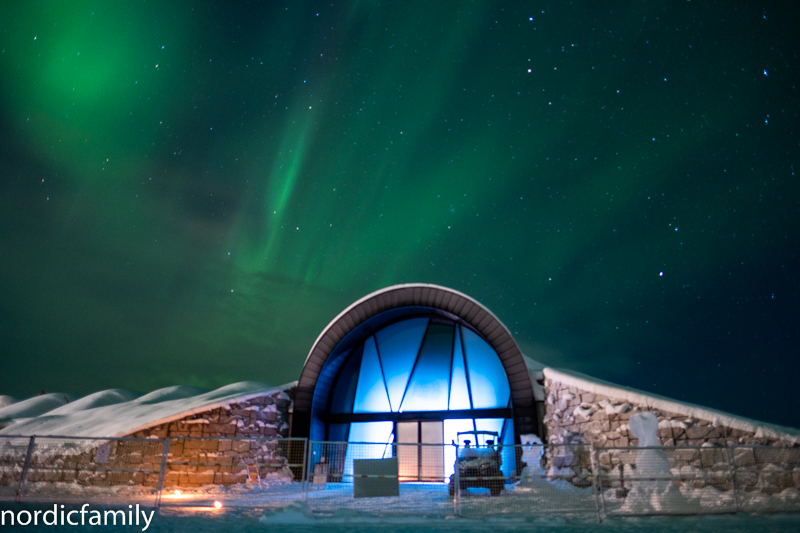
x,y
25,467
597,483
162,472
732,466
456,483
306,466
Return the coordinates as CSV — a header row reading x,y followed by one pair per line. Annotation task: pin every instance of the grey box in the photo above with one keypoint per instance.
x,y
382,478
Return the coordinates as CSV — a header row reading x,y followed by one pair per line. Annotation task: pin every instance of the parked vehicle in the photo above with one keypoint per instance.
x,y
478,462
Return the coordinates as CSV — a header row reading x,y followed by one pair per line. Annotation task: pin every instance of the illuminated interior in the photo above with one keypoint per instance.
x,y
419,380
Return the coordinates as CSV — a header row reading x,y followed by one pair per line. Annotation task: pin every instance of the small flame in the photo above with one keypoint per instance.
x,y
177,492
218,504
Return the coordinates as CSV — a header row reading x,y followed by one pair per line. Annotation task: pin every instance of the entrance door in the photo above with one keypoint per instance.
x,y
416,461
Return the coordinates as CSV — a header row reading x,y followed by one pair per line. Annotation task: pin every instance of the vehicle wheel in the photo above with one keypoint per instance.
x,y
496,488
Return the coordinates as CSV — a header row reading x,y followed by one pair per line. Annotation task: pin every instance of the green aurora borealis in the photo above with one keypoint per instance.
x,y
191,191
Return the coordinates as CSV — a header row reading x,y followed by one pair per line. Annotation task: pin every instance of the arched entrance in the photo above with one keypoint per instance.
x,y
414,363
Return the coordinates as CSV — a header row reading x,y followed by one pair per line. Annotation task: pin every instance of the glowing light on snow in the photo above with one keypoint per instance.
x,y
217,504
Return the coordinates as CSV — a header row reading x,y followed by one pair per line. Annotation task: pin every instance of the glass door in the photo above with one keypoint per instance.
x,y
416,460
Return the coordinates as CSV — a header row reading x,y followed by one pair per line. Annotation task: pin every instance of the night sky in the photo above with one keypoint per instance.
x,y
191,191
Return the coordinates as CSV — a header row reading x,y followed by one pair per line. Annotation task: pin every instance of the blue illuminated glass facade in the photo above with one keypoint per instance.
x,y
420,365
414,365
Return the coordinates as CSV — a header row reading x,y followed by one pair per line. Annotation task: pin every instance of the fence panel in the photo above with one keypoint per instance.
x,y
420,478
13,451
666,480
235,471
92,470
767,478
523,480
423,479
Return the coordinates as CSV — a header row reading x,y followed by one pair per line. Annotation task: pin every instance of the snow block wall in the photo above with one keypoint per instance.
x,y
582,409
263,417
201,437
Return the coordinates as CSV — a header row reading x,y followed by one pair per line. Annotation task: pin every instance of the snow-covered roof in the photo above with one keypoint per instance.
x,y
117,413
99,418
5,401
98,399
35,406
654,401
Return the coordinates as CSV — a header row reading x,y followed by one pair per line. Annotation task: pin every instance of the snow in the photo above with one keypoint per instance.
x,y
535,372
5,401
127,417
98,399
246,508
653,401
296,519
32,407
176,392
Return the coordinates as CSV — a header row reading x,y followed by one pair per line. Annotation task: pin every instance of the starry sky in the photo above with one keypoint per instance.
x,y
192,190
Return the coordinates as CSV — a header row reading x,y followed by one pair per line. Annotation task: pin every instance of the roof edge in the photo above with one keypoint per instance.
x,y
392,288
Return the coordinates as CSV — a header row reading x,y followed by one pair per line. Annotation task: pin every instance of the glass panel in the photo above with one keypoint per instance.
x,y
407,456
378,432
398,346
487,377
429,384
345,389
432,457
407,432
459,393
451,428
336,433
490,424
371,391
509,455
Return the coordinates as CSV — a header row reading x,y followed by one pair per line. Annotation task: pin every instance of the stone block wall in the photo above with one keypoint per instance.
x,y
574,415
255,423
240,433
577,416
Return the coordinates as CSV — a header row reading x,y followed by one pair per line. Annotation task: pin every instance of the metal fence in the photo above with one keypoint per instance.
x,y
419,479
410,478
657,480
80,469
13,453
697,480
234,471
767,479
531,479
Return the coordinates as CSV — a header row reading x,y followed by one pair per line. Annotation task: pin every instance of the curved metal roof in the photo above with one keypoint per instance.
x,y
420,296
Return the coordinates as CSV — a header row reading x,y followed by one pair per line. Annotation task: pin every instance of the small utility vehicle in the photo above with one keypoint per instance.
x,y
478,465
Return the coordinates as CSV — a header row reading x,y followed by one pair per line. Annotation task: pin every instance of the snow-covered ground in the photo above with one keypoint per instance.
x,y
423,499
298,518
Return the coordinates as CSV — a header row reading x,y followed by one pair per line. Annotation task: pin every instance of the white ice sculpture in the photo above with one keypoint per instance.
x,y
536,479
652,492
532,453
